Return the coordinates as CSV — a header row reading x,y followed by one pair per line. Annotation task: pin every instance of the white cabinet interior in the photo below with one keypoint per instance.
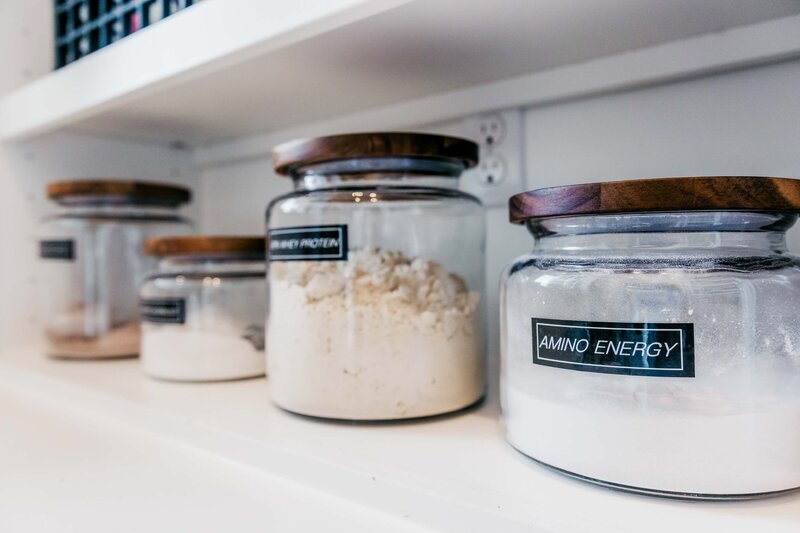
x,y
619,90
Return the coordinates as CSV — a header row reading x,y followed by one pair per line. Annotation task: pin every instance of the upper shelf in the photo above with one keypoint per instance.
x,y
228,68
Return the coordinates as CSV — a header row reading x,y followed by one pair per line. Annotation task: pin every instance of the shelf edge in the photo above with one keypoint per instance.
x,y
150,60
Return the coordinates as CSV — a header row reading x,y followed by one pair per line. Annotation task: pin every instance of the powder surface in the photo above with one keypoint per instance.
x,y
379,336
734,428
183,353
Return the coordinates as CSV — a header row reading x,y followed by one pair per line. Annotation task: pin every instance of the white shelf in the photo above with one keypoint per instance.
x,y
450,474
230,68
95,476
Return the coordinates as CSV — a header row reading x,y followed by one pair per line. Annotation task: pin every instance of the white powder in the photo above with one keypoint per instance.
x,y
732,429
704,453
182,353
376,337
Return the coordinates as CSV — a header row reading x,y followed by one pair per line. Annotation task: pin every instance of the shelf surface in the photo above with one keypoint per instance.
x,y
230,68
93,476
449,474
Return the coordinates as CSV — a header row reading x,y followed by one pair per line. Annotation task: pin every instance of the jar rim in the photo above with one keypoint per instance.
x,y
674,194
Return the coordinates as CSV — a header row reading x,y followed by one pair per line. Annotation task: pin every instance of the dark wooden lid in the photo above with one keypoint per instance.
x,y
292,155
705,193
141,192
205,245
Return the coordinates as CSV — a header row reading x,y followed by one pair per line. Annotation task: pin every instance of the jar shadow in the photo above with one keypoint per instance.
x,y
481,407
739,499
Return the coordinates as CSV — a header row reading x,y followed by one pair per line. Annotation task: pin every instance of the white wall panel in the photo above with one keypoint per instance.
x,y
235,196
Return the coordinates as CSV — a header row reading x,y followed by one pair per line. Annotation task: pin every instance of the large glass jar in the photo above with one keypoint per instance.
x,y
375,278
651,340
92,262
204,309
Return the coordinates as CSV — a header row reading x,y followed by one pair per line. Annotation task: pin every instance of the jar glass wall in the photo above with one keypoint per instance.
x,y
376,276
204,311
91,263
658,352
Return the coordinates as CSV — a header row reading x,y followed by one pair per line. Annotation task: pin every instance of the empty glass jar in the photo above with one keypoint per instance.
x,y
92,262
204,309
375,278
651,340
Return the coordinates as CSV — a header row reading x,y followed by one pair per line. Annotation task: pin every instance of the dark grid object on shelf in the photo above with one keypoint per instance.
x,y
85,26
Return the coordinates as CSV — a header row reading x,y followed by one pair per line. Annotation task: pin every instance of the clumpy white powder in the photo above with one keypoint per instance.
x,y
733,429
378,336
181,352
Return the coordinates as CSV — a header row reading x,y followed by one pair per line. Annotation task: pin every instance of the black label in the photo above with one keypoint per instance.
x,y
164,310
63,249
665,350
308,243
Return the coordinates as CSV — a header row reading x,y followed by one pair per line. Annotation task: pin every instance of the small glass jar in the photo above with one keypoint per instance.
x,y
204,309
375,278
651,340
92,264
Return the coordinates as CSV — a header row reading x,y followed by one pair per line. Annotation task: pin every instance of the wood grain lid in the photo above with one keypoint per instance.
x,y
703,193
290,156
115,191
206,245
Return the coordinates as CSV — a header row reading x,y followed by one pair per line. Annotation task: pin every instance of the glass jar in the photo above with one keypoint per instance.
x,y
92,264
204,309
651,340
375,278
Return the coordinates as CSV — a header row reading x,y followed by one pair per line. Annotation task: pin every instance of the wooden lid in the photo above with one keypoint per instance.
x,y
205,245
140,192
705,193
293,155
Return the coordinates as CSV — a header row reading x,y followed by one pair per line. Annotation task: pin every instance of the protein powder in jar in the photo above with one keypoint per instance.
x,y
375,278
204,309
651,340
92,262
